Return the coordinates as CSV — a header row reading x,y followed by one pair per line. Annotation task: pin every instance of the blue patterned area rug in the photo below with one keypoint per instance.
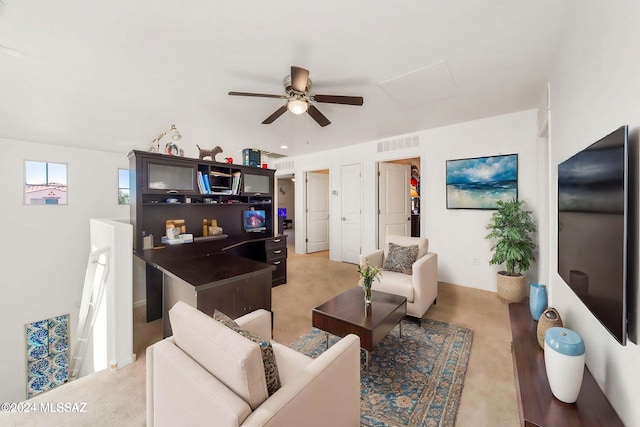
x,y
415,380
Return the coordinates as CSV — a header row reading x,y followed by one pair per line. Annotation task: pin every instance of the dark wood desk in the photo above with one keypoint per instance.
x,y
208,280
536,403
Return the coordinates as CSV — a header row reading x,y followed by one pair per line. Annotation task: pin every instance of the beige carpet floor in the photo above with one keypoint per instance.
x,y
488,399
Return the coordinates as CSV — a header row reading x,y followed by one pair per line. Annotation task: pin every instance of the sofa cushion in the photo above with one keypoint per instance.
x,y
400,258
231,358
422,242
268,358
290,363
396,283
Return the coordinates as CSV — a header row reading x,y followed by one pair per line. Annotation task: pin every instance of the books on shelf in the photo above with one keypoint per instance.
x,y
235,185
206,187
203,184
207,184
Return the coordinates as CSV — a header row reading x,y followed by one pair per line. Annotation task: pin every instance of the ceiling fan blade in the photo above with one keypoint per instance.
x,y
280,111
261,95
337,99
299,78
318,116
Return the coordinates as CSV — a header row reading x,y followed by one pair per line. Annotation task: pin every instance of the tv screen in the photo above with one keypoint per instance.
x,y
592,228
282,212
254,220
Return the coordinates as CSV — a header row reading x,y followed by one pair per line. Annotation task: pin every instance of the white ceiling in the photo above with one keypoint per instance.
x,y
112,75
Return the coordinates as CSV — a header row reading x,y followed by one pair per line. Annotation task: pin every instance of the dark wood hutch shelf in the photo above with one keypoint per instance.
x,y
536,403
167,187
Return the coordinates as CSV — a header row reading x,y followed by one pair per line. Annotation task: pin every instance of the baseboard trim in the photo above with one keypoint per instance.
x,y
138,304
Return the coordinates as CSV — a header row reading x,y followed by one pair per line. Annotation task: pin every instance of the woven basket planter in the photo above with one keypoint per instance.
x,y
511,288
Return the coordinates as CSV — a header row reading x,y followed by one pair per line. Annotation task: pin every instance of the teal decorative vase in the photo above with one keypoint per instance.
x,y
537,300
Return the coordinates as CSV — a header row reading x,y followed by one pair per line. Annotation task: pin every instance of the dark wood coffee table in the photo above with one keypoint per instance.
x,y
347,313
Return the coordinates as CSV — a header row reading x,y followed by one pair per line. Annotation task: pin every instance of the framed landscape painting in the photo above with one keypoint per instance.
x,y
478,183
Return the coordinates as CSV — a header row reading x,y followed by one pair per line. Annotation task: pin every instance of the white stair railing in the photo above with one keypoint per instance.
x,y
92,294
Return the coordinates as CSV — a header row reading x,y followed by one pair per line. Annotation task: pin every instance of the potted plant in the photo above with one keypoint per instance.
x,y
368,273
511,227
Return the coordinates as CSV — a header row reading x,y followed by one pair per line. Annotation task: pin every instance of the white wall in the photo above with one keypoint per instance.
x,y
595,88
456,235
45,249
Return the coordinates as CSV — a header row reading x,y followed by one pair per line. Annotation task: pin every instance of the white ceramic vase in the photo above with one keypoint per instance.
x,y
564,358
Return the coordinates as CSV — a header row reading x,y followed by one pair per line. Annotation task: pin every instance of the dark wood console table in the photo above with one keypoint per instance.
x,y
536,403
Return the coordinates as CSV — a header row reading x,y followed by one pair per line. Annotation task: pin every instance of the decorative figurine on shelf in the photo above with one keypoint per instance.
x,y
172,149
202,153
229,160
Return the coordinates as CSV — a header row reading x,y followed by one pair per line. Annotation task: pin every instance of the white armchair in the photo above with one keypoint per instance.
x,y
207,374
421,287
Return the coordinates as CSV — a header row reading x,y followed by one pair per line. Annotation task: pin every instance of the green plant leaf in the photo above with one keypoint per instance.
x,y
510,228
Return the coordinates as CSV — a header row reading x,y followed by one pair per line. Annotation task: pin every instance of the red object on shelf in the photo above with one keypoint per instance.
x,y
414,182
265,166
229,160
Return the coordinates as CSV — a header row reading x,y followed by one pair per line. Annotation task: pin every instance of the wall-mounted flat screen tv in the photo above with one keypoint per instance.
x,y
593,227
254,220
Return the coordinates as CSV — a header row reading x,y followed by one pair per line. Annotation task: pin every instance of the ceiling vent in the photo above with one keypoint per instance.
x,y
399,143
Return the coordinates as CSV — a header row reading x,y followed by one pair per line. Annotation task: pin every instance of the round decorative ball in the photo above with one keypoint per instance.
x,y
549,318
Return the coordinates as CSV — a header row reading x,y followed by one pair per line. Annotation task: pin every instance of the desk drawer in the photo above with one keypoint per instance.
x,y
277,253
279,275
276,242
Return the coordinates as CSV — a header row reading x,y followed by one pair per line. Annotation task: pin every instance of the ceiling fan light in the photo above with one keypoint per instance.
x,y
297,106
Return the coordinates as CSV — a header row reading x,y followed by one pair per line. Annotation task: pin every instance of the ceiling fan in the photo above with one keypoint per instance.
x,y
299,100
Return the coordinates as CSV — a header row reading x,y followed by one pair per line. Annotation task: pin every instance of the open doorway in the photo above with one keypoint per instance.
x,y
398,198
285,210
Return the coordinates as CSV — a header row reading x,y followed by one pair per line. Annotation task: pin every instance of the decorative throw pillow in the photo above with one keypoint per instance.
x,y
400,258
268,358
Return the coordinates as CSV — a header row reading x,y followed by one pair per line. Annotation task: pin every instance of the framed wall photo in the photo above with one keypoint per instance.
x,y
478,183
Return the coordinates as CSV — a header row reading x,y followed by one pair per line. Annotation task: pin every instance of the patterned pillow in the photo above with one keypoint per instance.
x,y
400,258
268,358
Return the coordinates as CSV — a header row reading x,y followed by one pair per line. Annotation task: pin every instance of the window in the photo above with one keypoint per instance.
x,y
45,183
123,186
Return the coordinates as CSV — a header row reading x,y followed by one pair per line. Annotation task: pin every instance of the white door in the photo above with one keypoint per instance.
x,y
317,212
394,202
351,212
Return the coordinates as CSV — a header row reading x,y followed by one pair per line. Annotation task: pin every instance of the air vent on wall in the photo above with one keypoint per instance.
x,y
284,165
399,143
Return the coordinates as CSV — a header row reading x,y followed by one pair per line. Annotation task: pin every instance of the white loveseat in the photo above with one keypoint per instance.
x,y
208,375
421,287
